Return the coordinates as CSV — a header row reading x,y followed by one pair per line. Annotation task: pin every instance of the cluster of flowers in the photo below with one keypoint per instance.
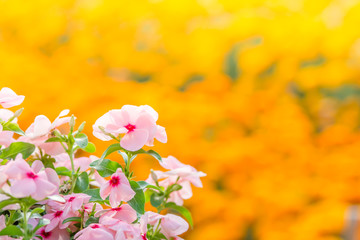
x,y
48,193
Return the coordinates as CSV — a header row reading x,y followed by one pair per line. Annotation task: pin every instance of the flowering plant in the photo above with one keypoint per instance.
x,y
47,192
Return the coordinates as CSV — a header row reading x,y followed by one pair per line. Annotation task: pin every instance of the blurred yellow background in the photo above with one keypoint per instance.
x,y
262,95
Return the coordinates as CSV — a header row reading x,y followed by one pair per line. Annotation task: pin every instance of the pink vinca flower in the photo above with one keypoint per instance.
x,y
118,187
185,172
123,213
95,231
74,202
41,128
34,181
137,123
54,234
56,218
8,98
171,225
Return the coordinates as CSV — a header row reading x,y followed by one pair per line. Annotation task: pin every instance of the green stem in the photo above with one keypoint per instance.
x,y
73,175
25,209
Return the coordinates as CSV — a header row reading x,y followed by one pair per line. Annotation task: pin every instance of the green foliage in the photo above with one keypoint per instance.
x,y
138,201
82,183
15,148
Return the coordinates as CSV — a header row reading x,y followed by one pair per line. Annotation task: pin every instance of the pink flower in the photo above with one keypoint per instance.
x,y
123,213
95,231
39,131
138,124
171,225
74,202
185,172
118,187
56,218
8,98
54,234
181,174
31,181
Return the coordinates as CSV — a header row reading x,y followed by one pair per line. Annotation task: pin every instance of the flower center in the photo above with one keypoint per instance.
x,y
114,181
95,226
58,213
71,199
117,209
143,236
31,175
45,234
130,127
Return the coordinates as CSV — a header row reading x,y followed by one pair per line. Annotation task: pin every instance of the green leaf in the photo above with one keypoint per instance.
x,y
112,148
95,195
82,183
157,199
138,201
8,202
81,140
13,127
143,184
55,139
173,188
150,152
37,210
26,149
11,231
72,219
90,148
91,220
63,171
105,167
182,210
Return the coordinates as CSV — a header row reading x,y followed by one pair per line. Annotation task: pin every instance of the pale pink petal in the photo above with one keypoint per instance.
x,y
126,192
37,166
54,222
23,188
134,140
43,189
8,98
173,225
186,191
52,176
115,197
160,134
105,190
52,148
151,111
41,126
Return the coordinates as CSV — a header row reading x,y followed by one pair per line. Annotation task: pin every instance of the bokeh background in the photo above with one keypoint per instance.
x,y
262,95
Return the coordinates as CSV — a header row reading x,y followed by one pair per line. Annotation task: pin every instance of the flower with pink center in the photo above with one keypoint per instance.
x,y
8,98
123,213
74,202
39,132
185,172
95,231
136,123
171,225
54,234
57,217
118,187
34,181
